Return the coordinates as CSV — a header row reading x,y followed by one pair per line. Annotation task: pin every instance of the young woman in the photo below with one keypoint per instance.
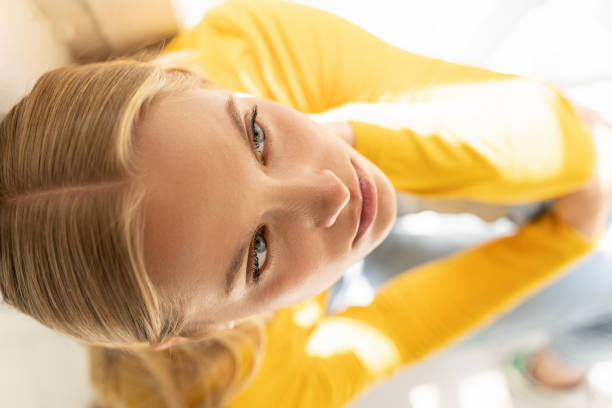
x,y
186,226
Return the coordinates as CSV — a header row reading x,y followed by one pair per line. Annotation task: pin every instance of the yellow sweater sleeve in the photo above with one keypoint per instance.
x,y
436,128
499,141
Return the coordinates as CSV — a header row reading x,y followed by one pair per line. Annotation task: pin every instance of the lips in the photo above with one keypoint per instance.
x,y
366,202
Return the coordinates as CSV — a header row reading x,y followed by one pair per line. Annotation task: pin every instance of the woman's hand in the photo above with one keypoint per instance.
x,y
587,210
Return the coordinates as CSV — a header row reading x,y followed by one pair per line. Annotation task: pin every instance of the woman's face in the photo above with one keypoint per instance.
x,y
244,219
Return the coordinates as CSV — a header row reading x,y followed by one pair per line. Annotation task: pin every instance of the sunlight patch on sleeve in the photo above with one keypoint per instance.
x,y
341,335
308,314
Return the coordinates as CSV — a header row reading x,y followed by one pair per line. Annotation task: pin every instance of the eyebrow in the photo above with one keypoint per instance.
x,y
232,272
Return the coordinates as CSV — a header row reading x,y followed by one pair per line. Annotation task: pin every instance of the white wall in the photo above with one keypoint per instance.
x,y
39,367
28,48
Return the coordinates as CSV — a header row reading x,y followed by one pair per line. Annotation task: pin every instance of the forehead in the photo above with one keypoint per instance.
x,y
193,165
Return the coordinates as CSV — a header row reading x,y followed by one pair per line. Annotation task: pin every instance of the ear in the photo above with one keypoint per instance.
x,y
169,342
202,332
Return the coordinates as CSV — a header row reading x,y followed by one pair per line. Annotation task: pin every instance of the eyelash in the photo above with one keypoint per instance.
x,y
253,115
254,267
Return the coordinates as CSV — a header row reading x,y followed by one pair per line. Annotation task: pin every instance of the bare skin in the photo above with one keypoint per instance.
x,y
550,371
588,209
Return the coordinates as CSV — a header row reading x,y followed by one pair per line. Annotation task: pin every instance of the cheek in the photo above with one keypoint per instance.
x,y
300,132
304,270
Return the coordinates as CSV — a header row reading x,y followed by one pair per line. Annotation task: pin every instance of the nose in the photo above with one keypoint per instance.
x,y
315,198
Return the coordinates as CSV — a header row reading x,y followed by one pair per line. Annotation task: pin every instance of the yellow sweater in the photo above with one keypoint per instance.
x,y
437,129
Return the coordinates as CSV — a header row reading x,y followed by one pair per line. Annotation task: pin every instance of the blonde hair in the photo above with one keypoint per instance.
x,y
71,238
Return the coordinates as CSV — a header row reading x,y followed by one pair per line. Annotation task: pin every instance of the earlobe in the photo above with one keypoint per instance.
x,y
168,343
203,332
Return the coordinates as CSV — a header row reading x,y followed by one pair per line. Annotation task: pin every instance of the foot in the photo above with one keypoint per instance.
x,y
527,390
548,370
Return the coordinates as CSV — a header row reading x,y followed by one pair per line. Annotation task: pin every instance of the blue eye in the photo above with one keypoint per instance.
x,y
259,254
259,136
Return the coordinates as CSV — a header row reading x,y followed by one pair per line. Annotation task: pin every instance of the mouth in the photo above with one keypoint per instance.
x,y
366,203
